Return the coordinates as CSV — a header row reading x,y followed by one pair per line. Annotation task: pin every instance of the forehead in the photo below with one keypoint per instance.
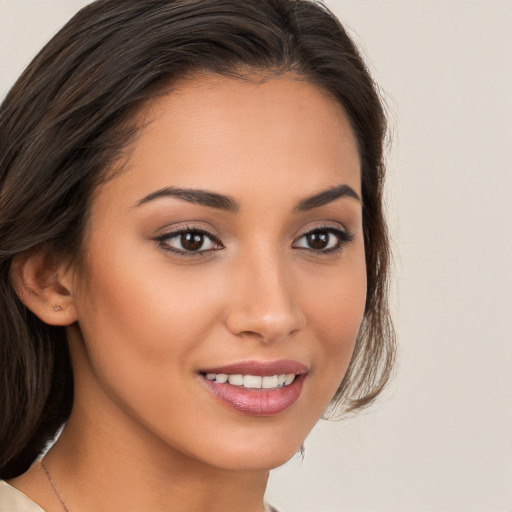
x,y
233,134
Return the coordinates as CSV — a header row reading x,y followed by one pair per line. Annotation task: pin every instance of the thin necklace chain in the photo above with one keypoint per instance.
x,y
50,479
61,499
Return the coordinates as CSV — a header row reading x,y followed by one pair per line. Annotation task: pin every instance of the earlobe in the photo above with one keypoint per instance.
x,y
44,286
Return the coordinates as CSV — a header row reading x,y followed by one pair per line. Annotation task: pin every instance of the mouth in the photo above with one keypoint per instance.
x,y
257,388
253,381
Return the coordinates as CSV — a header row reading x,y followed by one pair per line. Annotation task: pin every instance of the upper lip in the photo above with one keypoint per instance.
x,y
260,368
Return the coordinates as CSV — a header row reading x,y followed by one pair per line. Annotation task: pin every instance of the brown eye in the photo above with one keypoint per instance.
x,y
192,241
323,240
189,242
318,240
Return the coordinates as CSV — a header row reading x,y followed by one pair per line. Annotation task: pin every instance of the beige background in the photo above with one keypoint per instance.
x,y
441,440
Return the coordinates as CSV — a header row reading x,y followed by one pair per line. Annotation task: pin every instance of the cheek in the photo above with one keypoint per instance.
x,y
143,323
336,312
144,302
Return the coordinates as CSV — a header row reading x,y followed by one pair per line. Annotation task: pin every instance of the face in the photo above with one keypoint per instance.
x,y
225,275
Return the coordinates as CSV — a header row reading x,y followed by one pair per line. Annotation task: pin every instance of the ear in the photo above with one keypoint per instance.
x,y
45,286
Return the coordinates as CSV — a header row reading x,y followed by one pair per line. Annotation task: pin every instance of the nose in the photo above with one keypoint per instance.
x,y
264,304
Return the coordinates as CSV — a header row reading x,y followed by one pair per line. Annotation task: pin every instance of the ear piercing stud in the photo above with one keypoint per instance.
x,y
57,308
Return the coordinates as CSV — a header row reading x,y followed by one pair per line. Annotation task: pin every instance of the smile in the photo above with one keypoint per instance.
x,y
253,381
257,388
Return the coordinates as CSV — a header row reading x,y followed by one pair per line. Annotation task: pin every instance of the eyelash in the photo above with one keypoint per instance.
x,y
163,241
343,236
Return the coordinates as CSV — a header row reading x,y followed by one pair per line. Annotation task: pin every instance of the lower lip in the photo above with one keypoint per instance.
x,y
257,402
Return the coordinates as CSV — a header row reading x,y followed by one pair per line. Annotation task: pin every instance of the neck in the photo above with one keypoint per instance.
x,y
102,469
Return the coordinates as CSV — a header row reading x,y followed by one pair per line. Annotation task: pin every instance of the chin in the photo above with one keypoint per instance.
x,y
257,460
261,454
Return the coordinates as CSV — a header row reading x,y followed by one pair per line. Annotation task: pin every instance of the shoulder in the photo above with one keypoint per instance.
x,y
12,500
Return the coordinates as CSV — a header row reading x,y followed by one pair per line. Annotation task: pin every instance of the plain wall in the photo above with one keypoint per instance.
x,y
441,438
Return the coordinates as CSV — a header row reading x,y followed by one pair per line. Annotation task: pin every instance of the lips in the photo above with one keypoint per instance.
x,y
257,388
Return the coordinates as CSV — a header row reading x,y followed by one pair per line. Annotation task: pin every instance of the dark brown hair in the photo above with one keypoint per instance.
x,y
66,122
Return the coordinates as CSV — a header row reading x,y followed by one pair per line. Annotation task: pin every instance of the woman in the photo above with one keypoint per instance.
x,y
193,253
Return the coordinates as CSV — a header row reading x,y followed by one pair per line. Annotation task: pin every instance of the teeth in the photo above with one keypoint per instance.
x,y
269,382
236,380
253,381
290,377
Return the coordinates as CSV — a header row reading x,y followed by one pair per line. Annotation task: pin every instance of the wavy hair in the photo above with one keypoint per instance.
x,y
71,114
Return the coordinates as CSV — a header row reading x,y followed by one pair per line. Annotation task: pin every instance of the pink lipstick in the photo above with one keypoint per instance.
x,y
257,388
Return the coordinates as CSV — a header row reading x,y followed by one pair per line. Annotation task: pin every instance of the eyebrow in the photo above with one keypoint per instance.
x,y
326,197
201,197
228,203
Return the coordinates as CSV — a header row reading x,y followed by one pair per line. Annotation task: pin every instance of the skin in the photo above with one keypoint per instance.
x,y
142,320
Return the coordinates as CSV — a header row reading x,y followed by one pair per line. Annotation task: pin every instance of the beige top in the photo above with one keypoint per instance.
x,y
12,500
